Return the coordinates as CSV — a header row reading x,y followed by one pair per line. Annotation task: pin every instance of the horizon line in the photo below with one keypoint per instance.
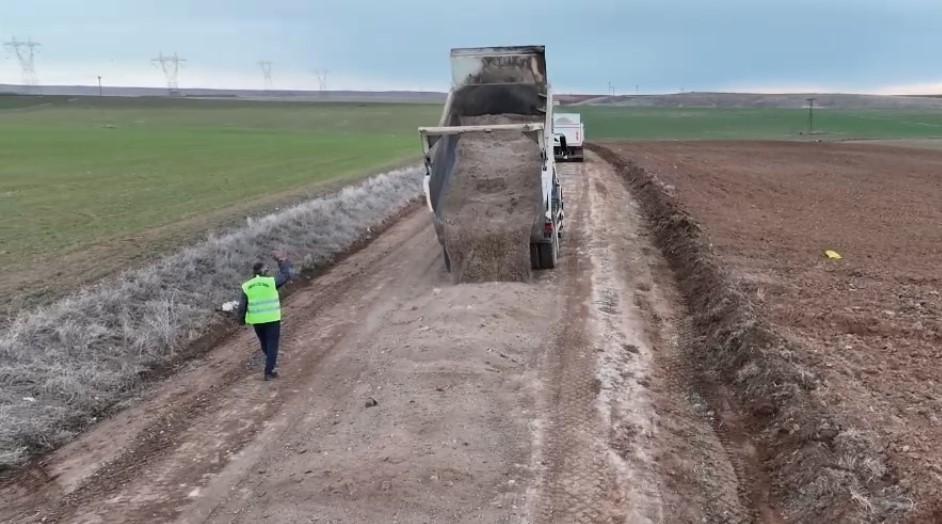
x,y
25,87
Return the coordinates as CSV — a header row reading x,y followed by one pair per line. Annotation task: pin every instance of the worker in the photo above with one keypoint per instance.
x,y
562,146
260,307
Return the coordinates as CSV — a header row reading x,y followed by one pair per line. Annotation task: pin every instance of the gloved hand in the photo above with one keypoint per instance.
x,y
230,306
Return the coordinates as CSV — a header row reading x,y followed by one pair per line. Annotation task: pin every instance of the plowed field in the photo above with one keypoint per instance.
x,y
835,363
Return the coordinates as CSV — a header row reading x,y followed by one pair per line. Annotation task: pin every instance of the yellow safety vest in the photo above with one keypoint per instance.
x,y
263,302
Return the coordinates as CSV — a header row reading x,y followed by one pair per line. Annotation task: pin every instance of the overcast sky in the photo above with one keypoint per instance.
x,y
658,45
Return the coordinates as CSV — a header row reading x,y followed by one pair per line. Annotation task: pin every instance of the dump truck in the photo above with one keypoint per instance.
x,y
492,156
568,133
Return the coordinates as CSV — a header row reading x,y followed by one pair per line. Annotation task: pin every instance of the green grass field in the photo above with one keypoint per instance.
x,y
755,124
71,173
99,184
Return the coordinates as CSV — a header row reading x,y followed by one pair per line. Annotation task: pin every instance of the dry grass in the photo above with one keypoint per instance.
x,y
63,365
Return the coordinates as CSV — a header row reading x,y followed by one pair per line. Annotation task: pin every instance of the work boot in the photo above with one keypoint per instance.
x,y
272,375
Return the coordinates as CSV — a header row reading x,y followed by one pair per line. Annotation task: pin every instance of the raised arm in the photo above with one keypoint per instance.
x,y
284,270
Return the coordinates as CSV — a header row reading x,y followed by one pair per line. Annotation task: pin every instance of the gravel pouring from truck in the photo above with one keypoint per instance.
x,y
491,181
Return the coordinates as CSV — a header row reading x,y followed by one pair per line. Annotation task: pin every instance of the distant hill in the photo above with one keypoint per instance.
x,y
727,100
327,96
730,100
573,99
281,95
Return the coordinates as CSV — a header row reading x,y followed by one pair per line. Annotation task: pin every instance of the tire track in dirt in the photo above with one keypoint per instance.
x,y
578,472
627,438
625,358
600,432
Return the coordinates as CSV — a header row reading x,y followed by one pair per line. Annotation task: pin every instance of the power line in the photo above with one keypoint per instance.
x,y
266,71
26,55
171,66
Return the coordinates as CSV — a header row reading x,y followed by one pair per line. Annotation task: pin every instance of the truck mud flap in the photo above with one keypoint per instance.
x,y
577,155
545,255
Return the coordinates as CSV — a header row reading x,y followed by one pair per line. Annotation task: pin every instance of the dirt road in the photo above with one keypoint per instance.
x,y
403,398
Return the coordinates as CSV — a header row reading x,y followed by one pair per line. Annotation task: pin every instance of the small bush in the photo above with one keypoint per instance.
x,y
63,365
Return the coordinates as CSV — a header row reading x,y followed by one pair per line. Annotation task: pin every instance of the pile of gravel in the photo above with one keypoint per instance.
x,y
493,203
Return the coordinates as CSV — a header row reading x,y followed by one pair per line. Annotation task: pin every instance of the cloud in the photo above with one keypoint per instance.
x,y
249,77
924,88
661,45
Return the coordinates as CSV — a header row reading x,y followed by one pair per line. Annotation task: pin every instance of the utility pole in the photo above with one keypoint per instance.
x,y
811,115
170,65
321,75
26,55
266,72
101,107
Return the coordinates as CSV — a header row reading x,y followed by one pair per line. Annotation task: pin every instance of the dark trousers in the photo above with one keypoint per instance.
x,y
268,335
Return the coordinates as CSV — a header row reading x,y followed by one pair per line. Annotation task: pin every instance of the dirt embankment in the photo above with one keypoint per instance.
x,y
492,203
830,362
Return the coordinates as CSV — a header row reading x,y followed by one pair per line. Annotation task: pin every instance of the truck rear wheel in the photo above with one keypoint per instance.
x,y
548,253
